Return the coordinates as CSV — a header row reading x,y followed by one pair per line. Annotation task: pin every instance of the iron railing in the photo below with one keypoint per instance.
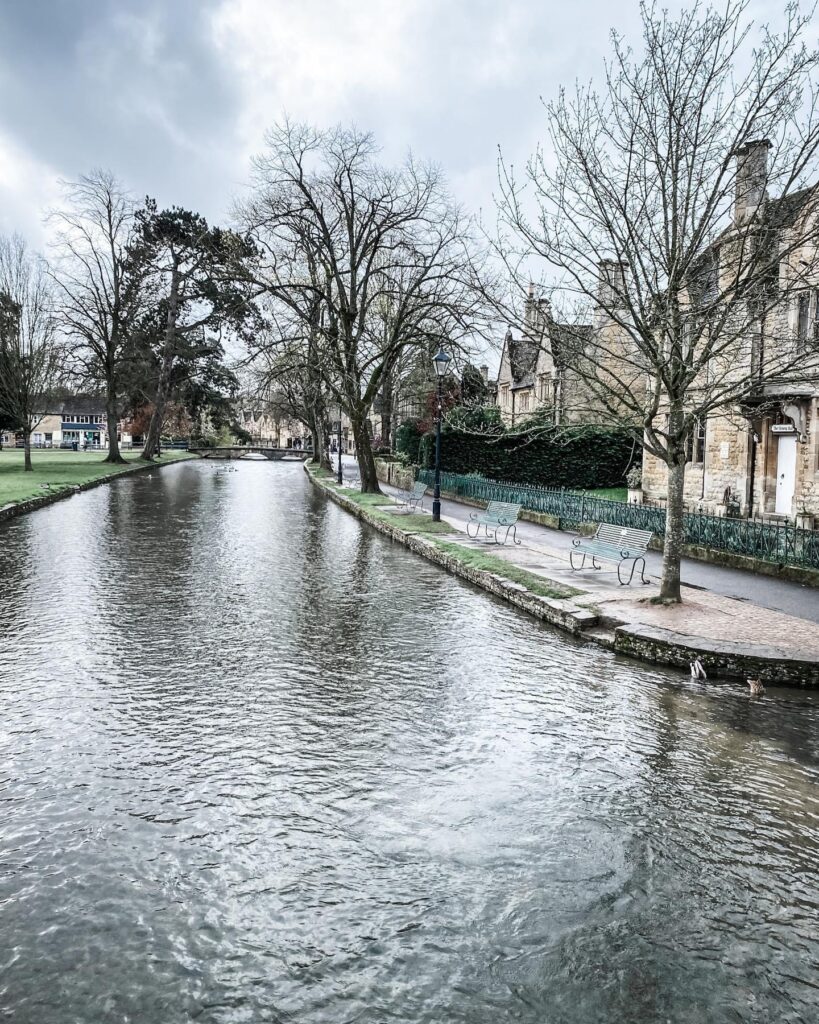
x,y
783,544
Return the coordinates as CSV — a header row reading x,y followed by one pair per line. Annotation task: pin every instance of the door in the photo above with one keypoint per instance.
x,y
785,473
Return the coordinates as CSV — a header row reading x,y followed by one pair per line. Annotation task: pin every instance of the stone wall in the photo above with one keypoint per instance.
x,y
394,474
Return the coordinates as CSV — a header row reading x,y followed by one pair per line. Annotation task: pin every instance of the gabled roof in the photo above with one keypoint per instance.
x,y
567,340
783,212
522,359
82,405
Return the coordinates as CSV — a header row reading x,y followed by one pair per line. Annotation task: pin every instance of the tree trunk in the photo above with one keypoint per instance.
x,y
165,368
27,466
672,548
366,460
158,414
112,420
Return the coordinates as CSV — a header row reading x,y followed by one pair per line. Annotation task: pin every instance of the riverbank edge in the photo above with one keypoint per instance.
x,y
33,504
643,643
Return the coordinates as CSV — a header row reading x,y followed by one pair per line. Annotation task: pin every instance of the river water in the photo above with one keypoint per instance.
x,y
259,764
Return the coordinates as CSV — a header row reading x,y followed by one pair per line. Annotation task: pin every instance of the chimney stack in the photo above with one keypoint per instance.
x,y
485,372
611,282
751,178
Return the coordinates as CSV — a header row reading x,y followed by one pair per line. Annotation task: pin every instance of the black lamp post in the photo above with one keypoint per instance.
x,y
440,361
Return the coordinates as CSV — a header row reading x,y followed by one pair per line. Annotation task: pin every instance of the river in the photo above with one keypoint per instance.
x,y
257,763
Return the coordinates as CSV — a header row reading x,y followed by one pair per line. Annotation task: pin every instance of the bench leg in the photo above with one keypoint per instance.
x,y
634,562
643,571
576,568
515,535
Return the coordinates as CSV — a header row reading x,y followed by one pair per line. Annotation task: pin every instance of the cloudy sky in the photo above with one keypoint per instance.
x,y
174,95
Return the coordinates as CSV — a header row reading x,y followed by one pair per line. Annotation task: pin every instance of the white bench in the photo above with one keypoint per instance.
x,y
618,544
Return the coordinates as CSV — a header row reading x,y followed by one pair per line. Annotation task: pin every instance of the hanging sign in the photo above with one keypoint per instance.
x,y
783,428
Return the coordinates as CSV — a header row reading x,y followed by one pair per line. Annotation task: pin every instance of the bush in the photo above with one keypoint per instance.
x,y
407,439
580,457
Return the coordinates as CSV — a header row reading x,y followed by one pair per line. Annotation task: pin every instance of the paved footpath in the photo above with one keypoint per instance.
x,y
719,604
768,591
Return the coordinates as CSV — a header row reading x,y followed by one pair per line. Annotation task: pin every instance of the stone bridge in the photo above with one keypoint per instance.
x,y
245,450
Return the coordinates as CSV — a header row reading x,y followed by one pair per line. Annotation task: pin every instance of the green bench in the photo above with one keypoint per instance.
x,y
618,544
413,501
499,517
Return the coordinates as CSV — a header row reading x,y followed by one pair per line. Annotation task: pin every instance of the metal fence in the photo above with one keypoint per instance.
x,y
782,544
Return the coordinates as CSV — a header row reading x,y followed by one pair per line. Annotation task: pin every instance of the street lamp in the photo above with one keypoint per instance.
x,y
440,361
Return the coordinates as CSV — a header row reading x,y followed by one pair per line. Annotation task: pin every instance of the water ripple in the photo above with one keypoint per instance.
x,y
259,764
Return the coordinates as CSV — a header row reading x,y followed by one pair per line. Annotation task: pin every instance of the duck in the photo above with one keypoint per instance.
x,y
757,689
697,671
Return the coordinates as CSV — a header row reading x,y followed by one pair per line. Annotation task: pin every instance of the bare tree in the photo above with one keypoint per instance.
x,y
98,295
287,373
674,209
29,354
372,260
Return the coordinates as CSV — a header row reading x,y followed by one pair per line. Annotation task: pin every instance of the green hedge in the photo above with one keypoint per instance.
x,y
407,439
577,457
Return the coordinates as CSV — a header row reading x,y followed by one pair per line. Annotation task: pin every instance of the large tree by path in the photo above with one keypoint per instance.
x,y
372,260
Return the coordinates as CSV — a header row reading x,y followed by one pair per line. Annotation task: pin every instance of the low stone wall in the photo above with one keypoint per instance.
x,y
724,659
32,504
394,474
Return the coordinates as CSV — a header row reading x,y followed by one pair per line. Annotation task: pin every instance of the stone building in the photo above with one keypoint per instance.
x,y
534,374
761,458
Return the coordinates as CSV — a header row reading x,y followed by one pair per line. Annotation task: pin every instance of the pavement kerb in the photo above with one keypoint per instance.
x,y
33,504
635,640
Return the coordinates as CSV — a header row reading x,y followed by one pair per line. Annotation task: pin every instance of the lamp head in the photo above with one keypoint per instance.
x,y
441,362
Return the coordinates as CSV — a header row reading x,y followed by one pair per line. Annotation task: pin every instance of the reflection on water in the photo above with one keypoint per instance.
x,y
259,764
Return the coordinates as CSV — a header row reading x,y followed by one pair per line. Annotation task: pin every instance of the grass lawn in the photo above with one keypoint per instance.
x,y
59,469
610,493
491,563
412,523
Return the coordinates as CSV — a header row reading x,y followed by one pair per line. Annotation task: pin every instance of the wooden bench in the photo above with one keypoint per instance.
x,y
413,500
618,544
499,517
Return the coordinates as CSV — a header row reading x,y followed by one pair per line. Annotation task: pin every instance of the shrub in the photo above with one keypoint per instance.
x,y
407,439
580,457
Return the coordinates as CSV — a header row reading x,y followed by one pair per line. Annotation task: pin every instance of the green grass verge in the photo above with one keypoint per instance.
x,y
61,470
609,493
491,563
413,523
366,499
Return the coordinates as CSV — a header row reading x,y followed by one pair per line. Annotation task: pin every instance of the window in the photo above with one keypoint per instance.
x,y
524,402
696,443
543,387
803,318
816,315
505,395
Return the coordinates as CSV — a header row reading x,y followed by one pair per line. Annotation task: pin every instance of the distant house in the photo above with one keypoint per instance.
x,y
64,421
533,376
